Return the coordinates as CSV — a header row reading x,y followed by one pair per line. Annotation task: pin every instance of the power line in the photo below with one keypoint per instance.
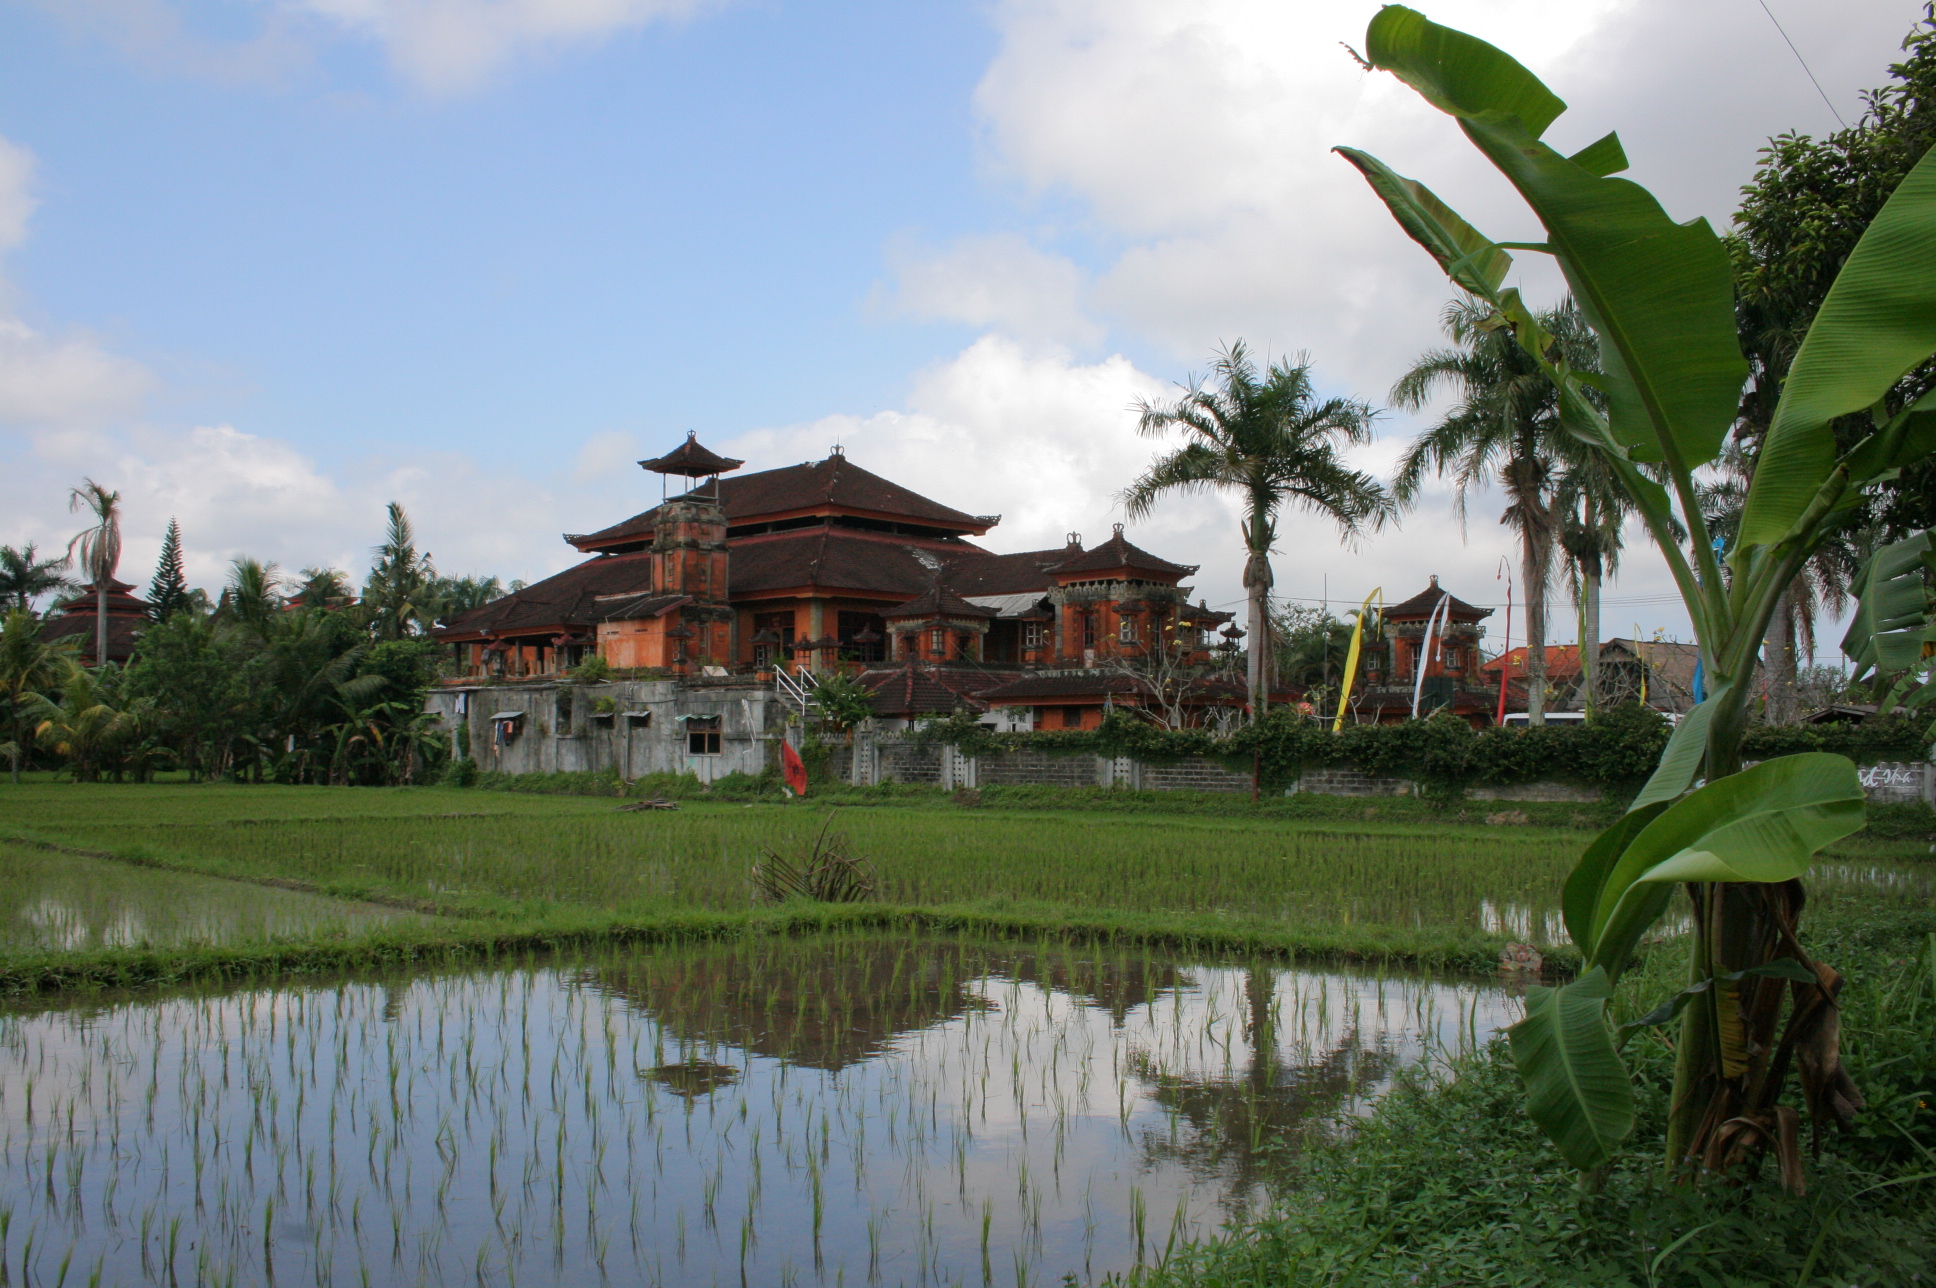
x,y
1804,62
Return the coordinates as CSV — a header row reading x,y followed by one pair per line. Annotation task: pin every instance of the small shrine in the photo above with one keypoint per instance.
x,y
1427,660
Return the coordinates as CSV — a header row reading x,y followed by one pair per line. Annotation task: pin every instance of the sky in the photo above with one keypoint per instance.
x,y
266,265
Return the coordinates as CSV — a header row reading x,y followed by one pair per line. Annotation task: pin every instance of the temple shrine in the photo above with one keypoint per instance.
x,y
1426,661
128,615
825,566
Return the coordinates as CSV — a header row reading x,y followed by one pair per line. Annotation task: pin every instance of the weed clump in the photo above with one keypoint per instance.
x,y
826,873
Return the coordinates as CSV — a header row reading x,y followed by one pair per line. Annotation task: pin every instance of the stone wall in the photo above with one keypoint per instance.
x,y
1349,782
1193,775
1035,769
561,729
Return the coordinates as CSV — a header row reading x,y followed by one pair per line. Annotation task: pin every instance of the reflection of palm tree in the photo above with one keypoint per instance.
x,y
1271,1103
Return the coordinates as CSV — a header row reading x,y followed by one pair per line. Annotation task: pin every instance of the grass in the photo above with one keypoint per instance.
x,y
1448,1183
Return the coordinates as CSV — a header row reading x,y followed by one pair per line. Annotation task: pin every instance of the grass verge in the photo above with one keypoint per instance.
x,y
1448,1183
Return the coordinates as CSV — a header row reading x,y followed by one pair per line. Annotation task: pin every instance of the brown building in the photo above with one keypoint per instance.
x,y
821,566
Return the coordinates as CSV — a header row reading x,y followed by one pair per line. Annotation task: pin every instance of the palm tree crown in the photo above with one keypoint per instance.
x,y
1271,439
1505,427
24,576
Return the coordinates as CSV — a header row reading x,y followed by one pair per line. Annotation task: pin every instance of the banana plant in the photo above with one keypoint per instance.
x,y
1660,297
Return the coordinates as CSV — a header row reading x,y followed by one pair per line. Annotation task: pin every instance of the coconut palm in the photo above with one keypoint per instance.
x,y
28,664
1273,441
98,550
89,724
253,596
1504,427
25,576
400,580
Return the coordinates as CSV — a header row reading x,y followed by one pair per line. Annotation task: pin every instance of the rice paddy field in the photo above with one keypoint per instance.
x,y
1062,1092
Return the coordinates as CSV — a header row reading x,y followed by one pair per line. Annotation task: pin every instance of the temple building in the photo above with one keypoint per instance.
x,y
76,618
824,566
1428,660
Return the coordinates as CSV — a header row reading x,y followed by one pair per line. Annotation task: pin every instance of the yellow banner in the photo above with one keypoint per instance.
x,y
1351,655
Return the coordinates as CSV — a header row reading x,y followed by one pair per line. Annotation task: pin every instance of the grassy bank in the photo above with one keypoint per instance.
x,y
1448,1183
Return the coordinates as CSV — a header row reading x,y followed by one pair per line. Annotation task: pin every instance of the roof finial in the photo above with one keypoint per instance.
x,y
1119,529
1435,581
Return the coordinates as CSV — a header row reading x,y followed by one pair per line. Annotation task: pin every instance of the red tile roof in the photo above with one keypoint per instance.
x,y
1420,606
691,460
938,602
1119,553
567,599
913,690
838,483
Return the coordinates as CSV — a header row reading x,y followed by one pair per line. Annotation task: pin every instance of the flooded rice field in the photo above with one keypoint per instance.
x,y
846,1110
52,902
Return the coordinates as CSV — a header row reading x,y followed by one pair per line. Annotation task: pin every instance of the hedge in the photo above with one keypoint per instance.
x,y
1615,752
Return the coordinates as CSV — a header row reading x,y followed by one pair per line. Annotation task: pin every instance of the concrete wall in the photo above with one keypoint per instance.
x,y
562,730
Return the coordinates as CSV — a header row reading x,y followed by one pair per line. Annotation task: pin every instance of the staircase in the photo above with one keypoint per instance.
x,y
796,691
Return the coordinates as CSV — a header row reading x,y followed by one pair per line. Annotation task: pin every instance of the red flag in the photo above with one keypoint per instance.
x,y
794,768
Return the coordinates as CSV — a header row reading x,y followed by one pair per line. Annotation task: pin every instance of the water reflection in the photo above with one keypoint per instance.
x,y
889,1110
53,902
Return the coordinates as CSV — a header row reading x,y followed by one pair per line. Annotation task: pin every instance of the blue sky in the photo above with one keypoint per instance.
x,y
270,263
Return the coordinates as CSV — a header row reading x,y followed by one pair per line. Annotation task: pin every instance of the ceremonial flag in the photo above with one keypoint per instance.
x,y
794,768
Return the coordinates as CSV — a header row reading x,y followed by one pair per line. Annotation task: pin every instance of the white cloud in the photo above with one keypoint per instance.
x,y
449,46
1000,281
49,382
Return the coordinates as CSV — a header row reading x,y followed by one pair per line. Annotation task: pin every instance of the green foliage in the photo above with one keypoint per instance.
x,y
593,670
397,593
842,701
25,576
1615,751
168,592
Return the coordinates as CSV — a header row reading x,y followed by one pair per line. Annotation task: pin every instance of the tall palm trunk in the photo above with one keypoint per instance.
x,y
101,620
1778,660
1532,571
1590,636
1257,584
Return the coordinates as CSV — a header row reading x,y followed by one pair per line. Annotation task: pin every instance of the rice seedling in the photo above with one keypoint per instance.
x,y
851,1108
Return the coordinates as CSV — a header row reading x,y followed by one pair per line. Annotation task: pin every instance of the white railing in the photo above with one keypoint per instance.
x,y
796,691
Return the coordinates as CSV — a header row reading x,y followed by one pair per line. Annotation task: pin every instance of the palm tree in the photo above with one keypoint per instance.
x,y
24,576
28,664
1505,426
1273,441
396,590
253,596
1591,509
86,727
99,550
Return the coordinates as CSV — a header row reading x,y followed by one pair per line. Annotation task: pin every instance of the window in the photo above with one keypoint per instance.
x,y
1072,717
1452,659
938,643
1032,635
702,736
1126,631
1088,630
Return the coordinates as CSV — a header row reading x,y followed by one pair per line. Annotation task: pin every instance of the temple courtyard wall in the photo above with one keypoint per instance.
x,y
714,728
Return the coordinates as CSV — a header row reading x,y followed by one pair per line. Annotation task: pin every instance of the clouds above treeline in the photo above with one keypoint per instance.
x,y
1161,183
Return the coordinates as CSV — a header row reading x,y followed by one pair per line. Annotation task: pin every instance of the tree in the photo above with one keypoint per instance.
x,y
1660,295
1505,427
395,591
1272,441
323,588
28,665
168,592
1311,646
253,597
25,577
448,597
89,723
194,672
99,550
